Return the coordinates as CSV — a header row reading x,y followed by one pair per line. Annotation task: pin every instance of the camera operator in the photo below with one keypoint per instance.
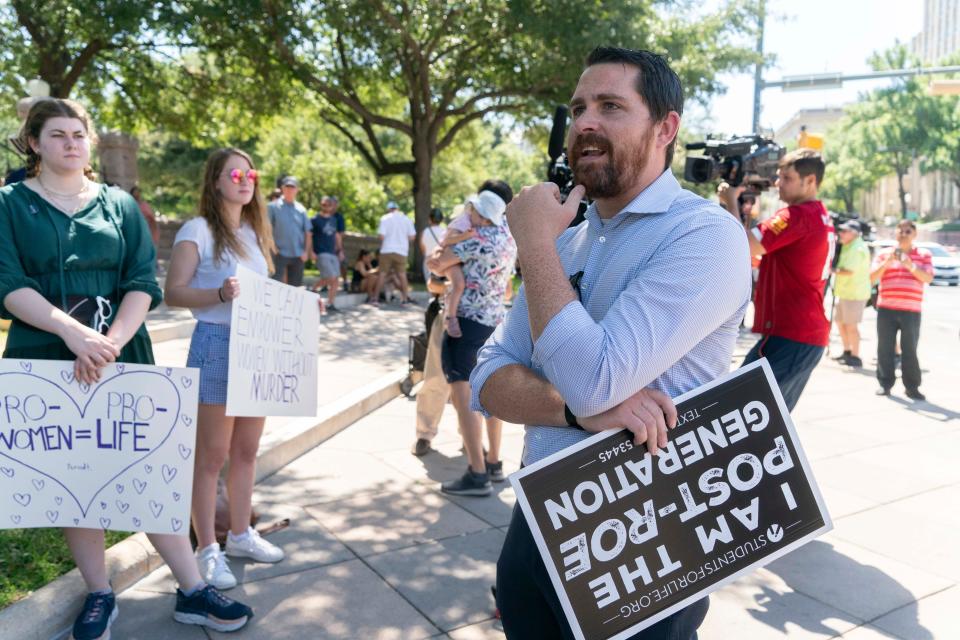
x,y
639,302
796,248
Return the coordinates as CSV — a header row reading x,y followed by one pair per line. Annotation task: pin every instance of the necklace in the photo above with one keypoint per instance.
x,y
70,203
59,194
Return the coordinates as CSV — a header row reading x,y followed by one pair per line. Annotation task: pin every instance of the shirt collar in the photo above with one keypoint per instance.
x,y
656,198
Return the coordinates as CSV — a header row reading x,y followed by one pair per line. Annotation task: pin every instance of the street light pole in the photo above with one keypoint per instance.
x,y
758,71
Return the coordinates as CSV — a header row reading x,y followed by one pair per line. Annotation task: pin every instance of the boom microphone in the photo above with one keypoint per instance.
x,y
558,132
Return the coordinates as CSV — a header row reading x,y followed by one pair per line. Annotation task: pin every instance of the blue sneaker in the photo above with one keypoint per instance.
x,y
98,613
210,608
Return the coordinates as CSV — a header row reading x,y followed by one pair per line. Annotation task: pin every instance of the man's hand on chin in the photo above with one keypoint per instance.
x,y
536,216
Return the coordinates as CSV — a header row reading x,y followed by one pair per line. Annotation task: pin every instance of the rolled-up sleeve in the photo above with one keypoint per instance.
x,y
509,344
695,283
139,270
12,275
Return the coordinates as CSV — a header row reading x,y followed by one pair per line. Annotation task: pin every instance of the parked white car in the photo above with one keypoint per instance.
x,y
946,266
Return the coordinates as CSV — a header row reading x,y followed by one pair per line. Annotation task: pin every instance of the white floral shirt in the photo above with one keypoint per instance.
x,y
488,267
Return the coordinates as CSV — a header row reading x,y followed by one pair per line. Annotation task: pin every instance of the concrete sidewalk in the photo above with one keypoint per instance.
x,y
376,551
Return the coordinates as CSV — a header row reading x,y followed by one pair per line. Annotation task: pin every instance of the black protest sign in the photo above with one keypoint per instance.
x,y
629,538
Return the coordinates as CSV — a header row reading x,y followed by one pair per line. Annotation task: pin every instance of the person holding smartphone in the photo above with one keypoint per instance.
x,y
901,271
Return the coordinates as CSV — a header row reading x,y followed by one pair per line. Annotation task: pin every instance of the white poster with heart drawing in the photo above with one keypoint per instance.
x,y
114,455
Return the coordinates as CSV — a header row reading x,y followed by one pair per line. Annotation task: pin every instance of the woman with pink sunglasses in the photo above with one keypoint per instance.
x,y
233,228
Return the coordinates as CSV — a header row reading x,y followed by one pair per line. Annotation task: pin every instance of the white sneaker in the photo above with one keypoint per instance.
x,y
251,545
213,568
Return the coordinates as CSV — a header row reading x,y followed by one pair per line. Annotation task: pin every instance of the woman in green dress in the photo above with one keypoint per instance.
x,y
77,278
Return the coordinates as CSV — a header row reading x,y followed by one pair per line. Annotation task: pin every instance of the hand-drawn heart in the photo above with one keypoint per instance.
x,y
76,521
52,516
119,488
185,451
168,371
136,522
58,500
139,485
156,508
7,471
176,497
88,429
186,382
84,387
104,523
122,506
26,366
15,519
148,468
103,505
175,524
187,420
120,368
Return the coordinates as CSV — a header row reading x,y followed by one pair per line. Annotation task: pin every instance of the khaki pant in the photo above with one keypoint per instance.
x,y
433,395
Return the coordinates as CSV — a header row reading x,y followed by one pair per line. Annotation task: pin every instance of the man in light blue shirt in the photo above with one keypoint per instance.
x,y
641,301
291,233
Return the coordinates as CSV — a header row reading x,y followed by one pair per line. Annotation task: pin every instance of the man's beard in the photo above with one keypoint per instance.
x,y
618,174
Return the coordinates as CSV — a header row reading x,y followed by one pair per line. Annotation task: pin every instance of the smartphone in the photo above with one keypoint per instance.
x,y
898,254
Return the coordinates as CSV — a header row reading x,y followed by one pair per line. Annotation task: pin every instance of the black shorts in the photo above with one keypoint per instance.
x,y
459,355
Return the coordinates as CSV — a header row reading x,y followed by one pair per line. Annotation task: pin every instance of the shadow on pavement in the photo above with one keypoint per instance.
x,y
928,408
846,581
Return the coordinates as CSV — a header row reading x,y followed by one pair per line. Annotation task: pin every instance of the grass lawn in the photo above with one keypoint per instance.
x,y
30,558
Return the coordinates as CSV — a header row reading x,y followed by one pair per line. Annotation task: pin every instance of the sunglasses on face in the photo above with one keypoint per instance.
x,y
237,176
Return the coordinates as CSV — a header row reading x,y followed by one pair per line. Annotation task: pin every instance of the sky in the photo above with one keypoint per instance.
x,y
812,36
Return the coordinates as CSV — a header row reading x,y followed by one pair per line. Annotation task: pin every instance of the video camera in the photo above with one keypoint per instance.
x,y
742,159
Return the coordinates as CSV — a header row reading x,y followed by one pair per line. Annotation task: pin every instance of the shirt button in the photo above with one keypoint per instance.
x,y
602,239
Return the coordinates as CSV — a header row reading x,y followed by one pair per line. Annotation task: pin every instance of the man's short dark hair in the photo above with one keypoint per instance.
x,y
499,187
658,85
805,162
908,223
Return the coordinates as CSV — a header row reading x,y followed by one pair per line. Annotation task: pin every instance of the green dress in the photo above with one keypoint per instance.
x,y
104,250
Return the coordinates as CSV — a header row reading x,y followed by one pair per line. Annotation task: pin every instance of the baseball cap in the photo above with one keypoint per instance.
x,y
489,205
851,225
290,181
392,205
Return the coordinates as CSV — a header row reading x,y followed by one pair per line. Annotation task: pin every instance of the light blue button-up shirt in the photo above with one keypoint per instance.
x,y
665,284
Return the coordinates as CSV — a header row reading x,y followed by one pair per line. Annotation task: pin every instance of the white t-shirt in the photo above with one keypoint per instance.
x,y
431,240
397,230
211,274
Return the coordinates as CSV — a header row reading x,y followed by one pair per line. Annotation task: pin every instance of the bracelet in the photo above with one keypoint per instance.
x,y
220,294
571,419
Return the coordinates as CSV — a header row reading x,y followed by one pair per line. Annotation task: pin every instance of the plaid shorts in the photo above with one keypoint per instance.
x,y
210,352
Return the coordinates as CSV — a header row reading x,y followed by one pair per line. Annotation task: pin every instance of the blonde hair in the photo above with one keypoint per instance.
x,y
253,213
42,110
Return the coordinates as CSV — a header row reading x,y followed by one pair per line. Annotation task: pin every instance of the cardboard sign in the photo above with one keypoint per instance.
x,y
629,538
274,336
115,455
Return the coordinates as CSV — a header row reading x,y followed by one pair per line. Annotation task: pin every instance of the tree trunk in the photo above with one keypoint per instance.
x,y
903,194
848,201
422,194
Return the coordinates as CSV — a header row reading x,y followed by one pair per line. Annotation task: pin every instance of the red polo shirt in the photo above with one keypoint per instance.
x,y
789,302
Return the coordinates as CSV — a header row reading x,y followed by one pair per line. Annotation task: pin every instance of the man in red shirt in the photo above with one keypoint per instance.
x,y
797,249
902,272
